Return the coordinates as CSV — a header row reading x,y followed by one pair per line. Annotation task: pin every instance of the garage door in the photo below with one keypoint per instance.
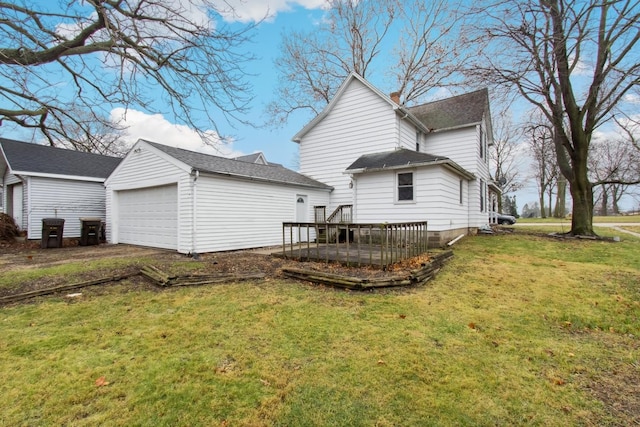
x,y
149,217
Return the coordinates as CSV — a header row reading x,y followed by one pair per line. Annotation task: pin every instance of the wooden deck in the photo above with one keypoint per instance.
x,y
353,255
352,244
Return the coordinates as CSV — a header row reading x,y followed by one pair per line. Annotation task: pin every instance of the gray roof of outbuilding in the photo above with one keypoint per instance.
x,y
206,163
402,158
43,159
457,111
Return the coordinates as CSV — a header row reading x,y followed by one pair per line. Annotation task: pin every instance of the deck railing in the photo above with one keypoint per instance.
x,y
380,244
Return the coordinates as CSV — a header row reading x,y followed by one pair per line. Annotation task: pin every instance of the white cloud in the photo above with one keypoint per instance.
x,y
155,128
255,10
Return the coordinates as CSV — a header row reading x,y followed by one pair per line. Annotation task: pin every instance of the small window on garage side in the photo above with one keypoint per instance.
x,y
461,192
405,187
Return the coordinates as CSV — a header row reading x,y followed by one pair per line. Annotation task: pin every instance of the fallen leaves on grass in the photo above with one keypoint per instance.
x,y
101,382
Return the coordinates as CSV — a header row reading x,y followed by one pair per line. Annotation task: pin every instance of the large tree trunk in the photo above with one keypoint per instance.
x,y
582,195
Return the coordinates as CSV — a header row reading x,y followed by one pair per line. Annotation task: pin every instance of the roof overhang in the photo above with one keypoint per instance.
x,y
56,176
446,163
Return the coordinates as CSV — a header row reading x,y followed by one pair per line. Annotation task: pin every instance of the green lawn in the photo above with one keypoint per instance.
x,y
596,219
515,330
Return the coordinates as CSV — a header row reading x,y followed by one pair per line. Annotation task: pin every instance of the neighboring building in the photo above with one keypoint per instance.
x,y
392,163
40,181
176,199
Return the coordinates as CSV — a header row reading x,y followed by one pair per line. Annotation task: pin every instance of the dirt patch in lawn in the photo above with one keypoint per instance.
x,y
22,257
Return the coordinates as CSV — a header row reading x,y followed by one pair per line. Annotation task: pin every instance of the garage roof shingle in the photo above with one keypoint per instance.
x,y
43,159
206,163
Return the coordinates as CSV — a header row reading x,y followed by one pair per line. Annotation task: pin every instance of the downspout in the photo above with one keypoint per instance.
x,y
194,227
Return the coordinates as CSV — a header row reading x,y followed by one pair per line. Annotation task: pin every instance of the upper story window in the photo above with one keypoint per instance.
x,y
405,187
418,138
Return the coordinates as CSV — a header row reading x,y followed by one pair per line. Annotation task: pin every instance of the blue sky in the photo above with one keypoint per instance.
x,y
283,16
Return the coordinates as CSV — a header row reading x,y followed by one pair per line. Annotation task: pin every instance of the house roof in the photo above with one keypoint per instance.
x,y
253,158
23,158
403,158
458,111
405,113
206,163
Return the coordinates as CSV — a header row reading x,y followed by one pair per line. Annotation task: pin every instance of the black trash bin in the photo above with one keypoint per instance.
x,y
52,229
90,231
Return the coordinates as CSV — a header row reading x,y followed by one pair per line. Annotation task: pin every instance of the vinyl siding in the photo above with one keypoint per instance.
x,y
148,168
60,198
238,214
231,213
436,199
360,123
463,147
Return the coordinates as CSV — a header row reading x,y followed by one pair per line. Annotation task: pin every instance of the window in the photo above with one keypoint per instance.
x,y
405,186
482,195
481,143
461,191
418,141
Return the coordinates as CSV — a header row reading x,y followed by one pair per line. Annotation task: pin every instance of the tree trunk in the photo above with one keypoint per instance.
x,y
543,211
582,195
561,210
604,202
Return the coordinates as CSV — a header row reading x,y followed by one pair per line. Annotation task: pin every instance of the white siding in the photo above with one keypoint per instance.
x,y
463,147
150,168
407,135
238,214
436,199
231,213
61,198
360,123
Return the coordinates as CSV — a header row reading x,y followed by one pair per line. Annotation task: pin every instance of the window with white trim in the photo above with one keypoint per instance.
x,y
405,186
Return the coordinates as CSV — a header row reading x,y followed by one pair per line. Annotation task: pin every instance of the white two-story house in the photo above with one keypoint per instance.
x,y
390,163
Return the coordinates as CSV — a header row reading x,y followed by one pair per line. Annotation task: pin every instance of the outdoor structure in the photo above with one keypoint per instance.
x,y
40,181
390,163
194,203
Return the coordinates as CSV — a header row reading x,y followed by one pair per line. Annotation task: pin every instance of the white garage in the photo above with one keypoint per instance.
x,y
166,197
149,216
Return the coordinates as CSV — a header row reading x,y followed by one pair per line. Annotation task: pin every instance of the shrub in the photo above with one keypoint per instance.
x,y
8,228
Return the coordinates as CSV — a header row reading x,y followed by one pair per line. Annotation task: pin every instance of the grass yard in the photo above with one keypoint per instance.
x,y
596,219
516,330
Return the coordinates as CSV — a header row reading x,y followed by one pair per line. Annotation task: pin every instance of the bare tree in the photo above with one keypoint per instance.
x,y
61,58
431,47
504,154
542,150
615,167
575,61
312,64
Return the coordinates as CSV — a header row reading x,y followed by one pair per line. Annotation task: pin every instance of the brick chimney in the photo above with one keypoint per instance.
x,y
395,97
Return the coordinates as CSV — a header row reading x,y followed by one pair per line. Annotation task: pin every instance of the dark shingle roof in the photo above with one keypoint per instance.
x,y
401,158
220,165
453,112
392,159
251,158
43,159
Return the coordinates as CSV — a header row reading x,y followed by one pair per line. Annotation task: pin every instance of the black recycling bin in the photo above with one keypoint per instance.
x,y
52,229
90,231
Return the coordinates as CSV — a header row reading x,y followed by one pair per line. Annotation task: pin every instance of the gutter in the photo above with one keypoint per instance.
x,y
448,163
